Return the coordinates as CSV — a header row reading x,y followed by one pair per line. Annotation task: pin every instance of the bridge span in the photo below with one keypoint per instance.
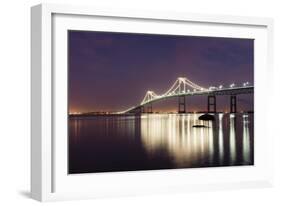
x,y
183,87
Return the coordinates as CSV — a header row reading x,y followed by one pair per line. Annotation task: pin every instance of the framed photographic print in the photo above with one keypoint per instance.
x,y
137,102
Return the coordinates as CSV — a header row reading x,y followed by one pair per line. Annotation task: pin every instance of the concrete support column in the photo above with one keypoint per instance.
x,y
212,105
149,108
142,109
181,108
233,104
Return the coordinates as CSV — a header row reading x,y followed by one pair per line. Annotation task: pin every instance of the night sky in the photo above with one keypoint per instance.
x,y
112,71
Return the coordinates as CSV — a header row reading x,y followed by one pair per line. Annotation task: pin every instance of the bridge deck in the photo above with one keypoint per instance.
x,y
226,91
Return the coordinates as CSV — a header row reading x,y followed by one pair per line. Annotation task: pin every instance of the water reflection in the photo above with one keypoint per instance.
x,y
246,139
174,134
232,139
158,141
221,142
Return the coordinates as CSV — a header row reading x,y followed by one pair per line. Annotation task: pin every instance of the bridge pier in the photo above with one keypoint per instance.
x,y
142,109
181,108
149,108
212,104
233,104
139,110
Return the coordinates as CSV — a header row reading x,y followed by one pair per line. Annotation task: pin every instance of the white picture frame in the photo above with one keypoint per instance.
x,y
49,180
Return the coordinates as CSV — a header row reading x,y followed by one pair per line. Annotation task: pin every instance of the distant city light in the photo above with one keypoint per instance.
x,y
75,113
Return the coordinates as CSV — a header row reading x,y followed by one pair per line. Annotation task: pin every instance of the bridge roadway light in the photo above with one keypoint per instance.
x,y
220,87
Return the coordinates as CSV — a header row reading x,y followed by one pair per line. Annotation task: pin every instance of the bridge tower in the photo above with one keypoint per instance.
x,y
233,104
181,108
212,104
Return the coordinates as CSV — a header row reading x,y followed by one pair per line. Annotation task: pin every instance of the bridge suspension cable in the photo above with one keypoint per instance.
x,y
180,86
150,95
183,85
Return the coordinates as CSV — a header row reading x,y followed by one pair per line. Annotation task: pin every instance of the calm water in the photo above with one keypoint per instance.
x,y
158,141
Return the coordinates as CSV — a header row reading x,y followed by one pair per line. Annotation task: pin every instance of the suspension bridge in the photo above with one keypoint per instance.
x,y
183,87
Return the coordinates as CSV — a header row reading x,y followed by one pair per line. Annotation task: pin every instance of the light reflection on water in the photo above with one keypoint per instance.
x,y
246,140
174,134
158,141
221,142
232,139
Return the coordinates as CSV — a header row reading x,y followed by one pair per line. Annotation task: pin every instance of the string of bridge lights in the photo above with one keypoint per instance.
x,y
183,85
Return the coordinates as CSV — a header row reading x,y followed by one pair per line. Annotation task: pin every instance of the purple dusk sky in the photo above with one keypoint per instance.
x,y
112,71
